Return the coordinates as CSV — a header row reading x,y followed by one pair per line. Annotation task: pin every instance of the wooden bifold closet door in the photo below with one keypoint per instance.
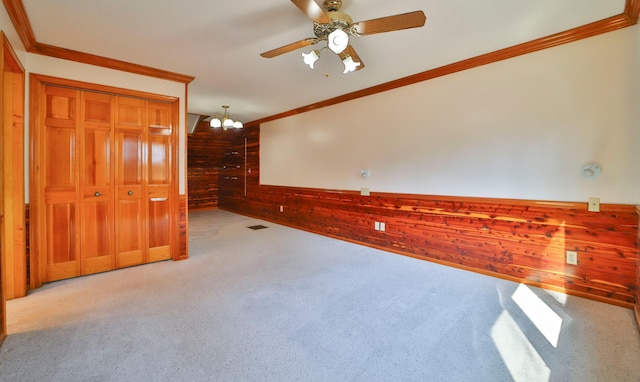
x,y
130,180
144,155
96,183
105,190
59,169
159,183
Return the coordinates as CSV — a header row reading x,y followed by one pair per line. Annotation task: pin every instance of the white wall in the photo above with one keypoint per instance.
x,y
34,63
521,128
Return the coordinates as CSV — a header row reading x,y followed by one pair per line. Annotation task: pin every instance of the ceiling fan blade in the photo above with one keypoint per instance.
x,y
289,47
349,51
409,20
312,10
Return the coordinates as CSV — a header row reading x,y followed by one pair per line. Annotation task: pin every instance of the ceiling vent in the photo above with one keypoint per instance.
x,y
192,121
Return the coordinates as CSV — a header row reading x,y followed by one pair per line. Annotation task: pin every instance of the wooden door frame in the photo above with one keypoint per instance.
x,y
13,272
37,83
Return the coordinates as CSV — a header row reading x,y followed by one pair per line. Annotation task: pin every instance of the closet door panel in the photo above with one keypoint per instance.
x,y
159,223
60,178
160,143
131,212
97,235
97,232
61,247
60,167
159,183
130,242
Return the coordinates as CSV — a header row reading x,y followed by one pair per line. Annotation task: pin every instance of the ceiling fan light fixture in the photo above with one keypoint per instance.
x,y
336,28
349,64
338,41
311,58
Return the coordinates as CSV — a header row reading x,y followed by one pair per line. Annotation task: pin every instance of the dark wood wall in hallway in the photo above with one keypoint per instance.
x,y
519,240
205,153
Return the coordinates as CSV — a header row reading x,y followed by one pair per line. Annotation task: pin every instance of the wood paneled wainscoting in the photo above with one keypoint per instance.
x,y
183,226
520,240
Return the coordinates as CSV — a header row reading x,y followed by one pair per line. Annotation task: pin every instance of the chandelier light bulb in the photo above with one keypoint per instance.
x,y
349,64
338,41
215,123
311,58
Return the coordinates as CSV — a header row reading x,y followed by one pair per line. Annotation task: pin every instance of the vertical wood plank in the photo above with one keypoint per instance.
x,y
183,241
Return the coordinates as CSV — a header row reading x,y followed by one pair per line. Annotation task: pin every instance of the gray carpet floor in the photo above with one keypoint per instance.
x,y
279,304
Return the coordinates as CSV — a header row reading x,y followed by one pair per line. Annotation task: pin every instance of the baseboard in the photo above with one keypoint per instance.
x,y
206,208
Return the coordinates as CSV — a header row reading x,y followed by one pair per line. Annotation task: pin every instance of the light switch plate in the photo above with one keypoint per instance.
x,y
572,257
594,204
364,191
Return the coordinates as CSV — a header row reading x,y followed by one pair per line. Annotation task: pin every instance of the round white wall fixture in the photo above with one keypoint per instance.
x,y
591,170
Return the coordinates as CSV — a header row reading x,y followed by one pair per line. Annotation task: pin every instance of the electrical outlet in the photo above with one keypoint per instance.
x,y
376,226
383,227
572,257
281,208
594,204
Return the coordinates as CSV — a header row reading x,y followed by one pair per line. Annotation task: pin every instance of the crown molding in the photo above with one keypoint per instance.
x,y
627,18
20,20
91,59
632,10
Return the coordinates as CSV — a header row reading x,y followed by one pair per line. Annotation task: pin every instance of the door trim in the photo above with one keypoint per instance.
x,y
13,271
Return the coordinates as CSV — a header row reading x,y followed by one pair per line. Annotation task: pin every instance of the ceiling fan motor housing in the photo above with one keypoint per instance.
x,y
339,20
332,5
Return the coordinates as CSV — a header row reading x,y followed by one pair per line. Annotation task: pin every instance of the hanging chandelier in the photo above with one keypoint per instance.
x,y
225,121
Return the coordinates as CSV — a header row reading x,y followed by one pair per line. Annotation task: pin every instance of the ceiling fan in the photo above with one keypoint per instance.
x,y
335,27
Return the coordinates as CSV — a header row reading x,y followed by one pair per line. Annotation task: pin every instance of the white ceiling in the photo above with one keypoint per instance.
x,y
219,42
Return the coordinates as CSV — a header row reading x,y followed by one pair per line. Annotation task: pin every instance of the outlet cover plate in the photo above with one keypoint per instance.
x,y
572,257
